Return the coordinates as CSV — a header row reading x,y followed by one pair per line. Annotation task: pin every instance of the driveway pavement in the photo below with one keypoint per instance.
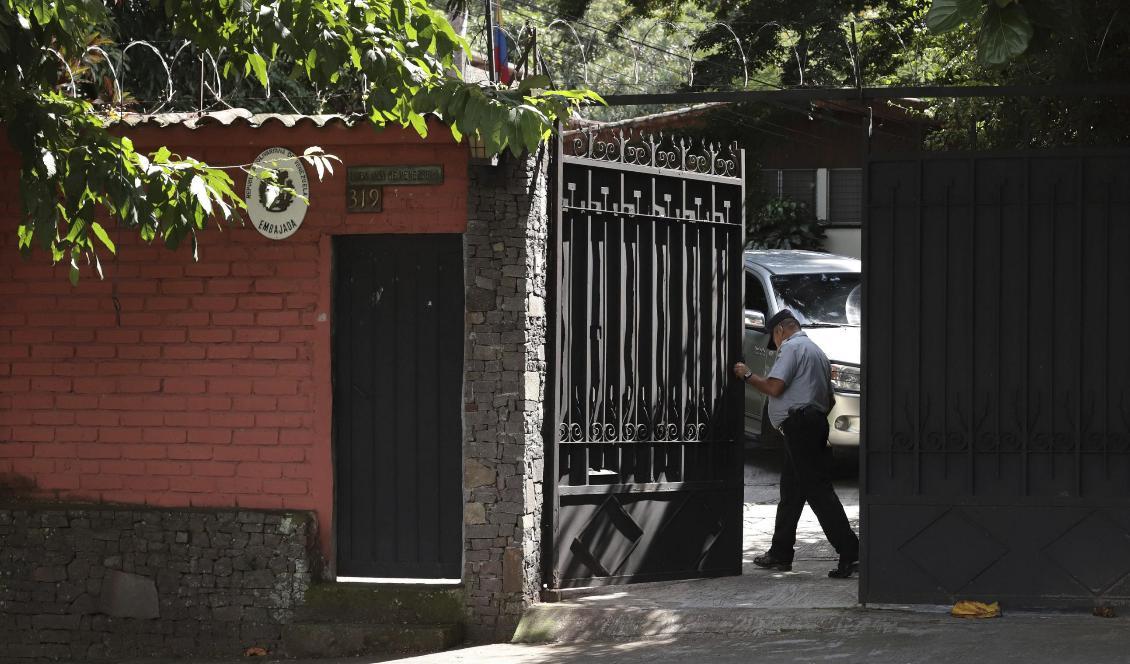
x,y
889,637
895,638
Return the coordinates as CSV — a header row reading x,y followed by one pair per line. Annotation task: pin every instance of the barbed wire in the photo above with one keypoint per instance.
x,y
110,64
632,46
910,58
170,56
674,61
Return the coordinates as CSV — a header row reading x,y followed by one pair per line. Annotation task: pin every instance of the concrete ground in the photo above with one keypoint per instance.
x,y
888,637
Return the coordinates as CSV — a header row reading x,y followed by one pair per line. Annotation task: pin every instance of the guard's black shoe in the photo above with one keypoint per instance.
x,y
846,568
769,562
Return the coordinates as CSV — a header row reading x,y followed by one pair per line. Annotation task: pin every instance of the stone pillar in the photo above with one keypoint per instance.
x,y
505,248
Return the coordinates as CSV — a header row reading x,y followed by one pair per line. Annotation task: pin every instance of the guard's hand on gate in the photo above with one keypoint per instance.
x,y
740,370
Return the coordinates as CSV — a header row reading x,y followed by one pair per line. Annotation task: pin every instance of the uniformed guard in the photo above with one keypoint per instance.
x,y
800,396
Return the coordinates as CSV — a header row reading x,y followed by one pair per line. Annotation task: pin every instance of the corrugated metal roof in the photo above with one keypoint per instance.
x,y
235,116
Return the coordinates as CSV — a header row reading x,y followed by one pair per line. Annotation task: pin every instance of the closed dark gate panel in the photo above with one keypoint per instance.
x,y
997,406
398,357
645,470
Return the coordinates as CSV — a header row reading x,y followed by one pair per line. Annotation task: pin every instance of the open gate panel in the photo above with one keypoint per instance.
x,y
646,467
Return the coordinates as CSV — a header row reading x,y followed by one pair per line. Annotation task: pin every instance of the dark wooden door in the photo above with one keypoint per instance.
x,y
398,366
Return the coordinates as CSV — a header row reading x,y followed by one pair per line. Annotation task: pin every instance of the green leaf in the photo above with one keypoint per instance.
x,y
531,130
419,124
539,81
1005,33
945,15
73,272
104,237
259,66
49,163
200,191
317,163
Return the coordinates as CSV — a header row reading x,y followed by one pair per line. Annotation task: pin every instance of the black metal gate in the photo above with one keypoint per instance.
x,y
644,473
398,334
997,406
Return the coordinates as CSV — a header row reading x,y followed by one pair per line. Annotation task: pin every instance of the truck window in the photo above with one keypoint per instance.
x,y
755,295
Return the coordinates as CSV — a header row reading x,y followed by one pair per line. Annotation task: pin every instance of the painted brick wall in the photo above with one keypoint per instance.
x,y
212,386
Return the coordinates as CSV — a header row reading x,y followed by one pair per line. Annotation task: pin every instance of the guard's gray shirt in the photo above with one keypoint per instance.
x,y
805,371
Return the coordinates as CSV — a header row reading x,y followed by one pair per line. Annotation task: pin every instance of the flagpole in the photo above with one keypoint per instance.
x,y
490,42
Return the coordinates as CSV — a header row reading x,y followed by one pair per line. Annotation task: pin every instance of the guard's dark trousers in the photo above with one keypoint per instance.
x,y
807,476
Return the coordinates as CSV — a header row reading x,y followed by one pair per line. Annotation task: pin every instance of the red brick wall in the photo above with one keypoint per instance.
x,y
214,389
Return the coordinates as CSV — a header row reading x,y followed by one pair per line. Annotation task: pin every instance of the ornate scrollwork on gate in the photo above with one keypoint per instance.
x,y
655,150
648,298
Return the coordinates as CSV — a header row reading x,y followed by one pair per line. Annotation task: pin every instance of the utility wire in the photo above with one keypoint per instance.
x,y
620,36
803,136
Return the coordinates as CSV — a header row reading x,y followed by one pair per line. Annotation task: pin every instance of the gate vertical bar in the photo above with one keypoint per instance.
x,y
737,332
918,425
1026,434
1081,303
973,216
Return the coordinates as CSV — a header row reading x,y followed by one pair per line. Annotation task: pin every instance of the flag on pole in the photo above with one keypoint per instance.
x,y
501,63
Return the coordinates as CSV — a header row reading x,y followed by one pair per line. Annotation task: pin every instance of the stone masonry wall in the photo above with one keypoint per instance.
x,y
93,583
505,247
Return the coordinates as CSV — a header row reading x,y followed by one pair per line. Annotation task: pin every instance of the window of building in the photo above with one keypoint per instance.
x,y
834,195
798,184
845,196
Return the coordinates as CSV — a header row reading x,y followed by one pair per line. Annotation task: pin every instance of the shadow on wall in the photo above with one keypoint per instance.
x,y
15,486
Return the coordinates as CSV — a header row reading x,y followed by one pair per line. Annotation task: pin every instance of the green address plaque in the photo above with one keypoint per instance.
x,y
364,185
392,176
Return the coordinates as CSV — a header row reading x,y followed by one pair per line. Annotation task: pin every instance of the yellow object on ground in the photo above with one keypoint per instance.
x,y
970,609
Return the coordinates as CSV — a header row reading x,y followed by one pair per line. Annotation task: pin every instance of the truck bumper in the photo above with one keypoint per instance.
x,y
843,421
